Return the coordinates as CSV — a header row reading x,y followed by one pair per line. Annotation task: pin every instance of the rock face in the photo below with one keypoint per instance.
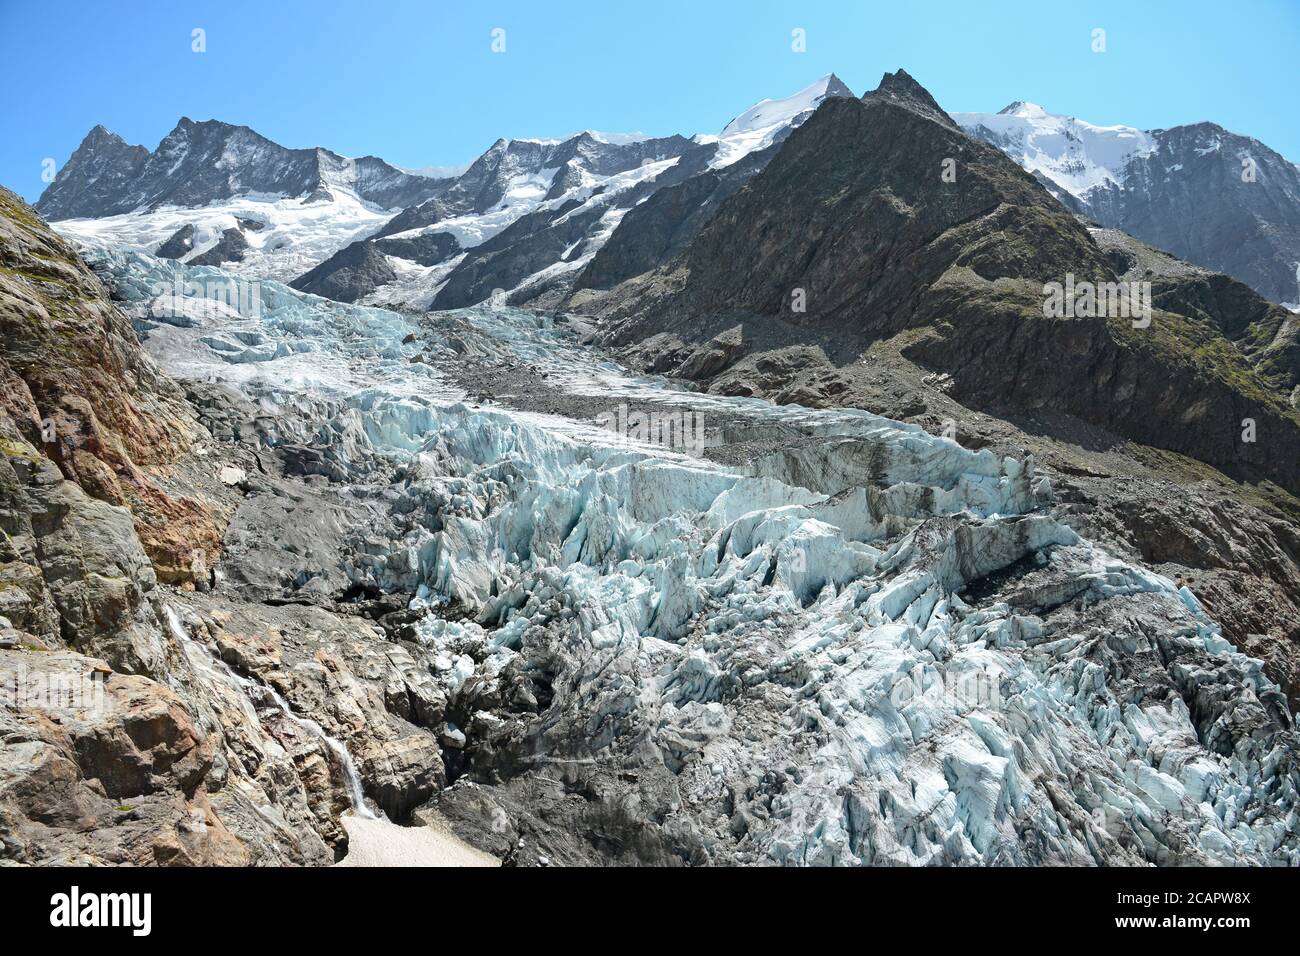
x,y
1267,336
117,779
109,752
378,698
201,163
179,244
362,267
231,247
1213,197
349,274
655,230
78,387
102,170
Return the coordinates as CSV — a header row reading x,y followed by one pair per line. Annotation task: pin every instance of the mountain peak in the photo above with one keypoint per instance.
x,y
200,162
900,82
1022,108
835,86
101,135
767,113
902,89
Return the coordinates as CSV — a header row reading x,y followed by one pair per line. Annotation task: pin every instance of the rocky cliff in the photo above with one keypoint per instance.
x,y
79,389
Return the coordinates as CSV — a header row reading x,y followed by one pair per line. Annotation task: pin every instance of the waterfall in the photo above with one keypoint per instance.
x,y
218,669
350,775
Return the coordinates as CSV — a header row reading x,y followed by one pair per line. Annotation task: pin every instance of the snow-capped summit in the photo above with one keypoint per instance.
x,y
761,124
1074,154
768,113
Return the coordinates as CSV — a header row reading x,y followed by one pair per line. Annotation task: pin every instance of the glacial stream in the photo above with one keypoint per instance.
x,y
250,691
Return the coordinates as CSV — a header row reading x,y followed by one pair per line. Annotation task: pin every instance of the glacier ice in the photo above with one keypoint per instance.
x,y
873,648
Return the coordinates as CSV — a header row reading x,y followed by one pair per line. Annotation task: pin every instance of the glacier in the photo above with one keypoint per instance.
x,y
292,234
862,645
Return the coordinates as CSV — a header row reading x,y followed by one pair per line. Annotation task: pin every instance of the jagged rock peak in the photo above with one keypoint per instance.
x,y
836,87
101,133
201,162
902,89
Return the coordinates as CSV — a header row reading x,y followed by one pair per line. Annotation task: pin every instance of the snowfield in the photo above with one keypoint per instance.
x,y
295,235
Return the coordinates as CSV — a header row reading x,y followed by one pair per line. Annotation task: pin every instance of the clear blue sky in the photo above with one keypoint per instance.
x,y
418,83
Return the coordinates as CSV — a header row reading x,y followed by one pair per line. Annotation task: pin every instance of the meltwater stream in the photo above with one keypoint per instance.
x,y
208,663
350,776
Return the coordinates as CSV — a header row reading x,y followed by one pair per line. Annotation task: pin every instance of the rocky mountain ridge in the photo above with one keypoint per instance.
x,y
954,275
530,215
523,218
1150,184
200,163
